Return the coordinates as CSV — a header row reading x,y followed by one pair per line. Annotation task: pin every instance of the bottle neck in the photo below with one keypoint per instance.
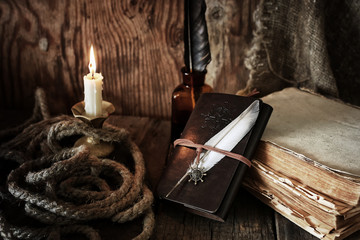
x,y
195,79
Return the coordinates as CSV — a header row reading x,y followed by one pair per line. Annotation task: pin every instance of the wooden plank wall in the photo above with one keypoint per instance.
x,y
138,47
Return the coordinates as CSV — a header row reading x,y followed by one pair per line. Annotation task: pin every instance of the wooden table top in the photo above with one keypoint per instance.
x,y
248,218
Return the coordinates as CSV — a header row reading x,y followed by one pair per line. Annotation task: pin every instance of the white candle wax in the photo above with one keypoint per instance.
x,y
93,89
93,94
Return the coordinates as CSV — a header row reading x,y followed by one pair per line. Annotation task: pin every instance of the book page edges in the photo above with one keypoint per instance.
x,y
338,173
308,223
287,184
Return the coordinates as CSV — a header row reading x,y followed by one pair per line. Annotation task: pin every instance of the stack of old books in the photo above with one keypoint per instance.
x,y
307,166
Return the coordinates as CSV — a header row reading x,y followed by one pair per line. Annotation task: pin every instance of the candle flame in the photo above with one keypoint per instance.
x,y
92,64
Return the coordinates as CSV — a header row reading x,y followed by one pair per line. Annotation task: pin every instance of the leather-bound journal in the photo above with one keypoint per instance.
x,y
213,195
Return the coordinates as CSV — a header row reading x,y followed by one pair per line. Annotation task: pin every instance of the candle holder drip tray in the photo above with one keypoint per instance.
x,y
96,146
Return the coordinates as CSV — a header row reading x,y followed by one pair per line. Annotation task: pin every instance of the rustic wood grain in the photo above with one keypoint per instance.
x,y
230,31
287,230
138,47
248,219
153,137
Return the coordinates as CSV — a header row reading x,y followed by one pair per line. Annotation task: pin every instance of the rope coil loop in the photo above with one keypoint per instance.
x,y
64,188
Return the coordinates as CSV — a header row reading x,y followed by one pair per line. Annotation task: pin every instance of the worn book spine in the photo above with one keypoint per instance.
x,y
259,128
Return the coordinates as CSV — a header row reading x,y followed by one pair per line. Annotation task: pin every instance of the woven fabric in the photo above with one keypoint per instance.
x,y
309,44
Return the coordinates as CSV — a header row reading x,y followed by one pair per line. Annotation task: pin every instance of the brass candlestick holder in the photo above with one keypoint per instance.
x,y
96,146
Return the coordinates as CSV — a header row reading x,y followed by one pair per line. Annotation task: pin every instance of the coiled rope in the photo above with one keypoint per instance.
x,y
65,187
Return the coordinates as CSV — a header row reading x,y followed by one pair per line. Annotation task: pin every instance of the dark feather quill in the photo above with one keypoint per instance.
x,y
197,48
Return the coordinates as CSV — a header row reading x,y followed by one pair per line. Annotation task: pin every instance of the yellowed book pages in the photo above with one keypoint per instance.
x,y
296,196
300,217
322,139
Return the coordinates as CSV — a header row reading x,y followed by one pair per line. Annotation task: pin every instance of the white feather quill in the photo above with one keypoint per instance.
x,y
226,140
229,137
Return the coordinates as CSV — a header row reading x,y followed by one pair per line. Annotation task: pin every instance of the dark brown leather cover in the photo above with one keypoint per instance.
x,y
213,197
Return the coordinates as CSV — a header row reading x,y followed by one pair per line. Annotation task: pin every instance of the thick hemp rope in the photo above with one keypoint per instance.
x,y
63,187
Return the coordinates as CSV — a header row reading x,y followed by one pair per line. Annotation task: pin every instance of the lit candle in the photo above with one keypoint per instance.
x,y
93,89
